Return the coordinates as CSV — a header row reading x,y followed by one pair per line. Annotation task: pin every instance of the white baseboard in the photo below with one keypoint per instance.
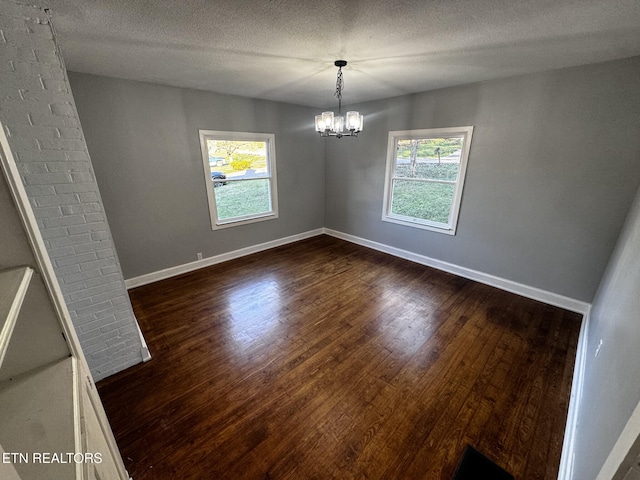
x,y
567,459
488,279
207,262
498,282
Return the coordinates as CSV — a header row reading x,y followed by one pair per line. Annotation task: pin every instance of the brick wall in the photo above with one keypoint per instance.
x,y
40,118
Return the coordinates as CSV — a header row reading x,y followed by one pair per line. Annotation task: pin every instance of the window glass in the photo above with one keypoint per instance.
x,y
240,177
425,176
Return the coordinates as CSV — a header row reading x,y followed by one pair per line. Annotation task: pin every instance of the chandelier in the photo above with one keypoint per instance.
x,y
330,125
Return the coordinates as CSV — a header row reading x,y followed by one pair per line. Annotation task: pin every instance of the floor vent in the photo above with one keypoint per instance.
x,y
475,466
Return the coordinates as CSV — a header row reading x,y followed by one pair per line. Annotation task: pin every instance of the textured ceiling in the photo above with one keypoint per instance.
x,y
284,49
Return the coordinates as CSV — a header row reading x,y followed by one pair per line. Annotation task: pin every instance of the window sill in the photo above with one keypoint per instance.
x,y
433,227
244,221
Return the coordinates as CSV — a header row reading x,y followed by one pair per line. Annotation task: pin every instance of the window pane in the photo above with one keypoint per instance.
x,y
238,158
429,158
422,200
238,199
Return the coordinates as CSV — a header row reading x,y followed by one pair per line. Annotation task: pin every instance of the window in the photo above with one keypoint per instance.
x,y
240,175
425,175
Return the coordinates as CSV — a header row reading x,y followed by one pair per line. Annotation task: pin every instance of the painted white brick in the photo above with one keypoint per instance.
x,y
71,122
27,38
100,339
89,197
100,236
50,200
54,232
19,54
39,27
69,167
17,10
95,247
68,270
38,156
6,65
69,240
94,292
26,168
47,212
94,308
94,217
63,109
39,190
20,117
76,259
124,338
109,270
70,288
21,143
12,23
127,329
124,323
78,188
45,118
49,57
38,112
89,323
121,300
106,253
55,85
11,82
114,277
78,304
61,144
108,313
73,210
63,221
70,132
98,346
105,262
37,69
78,156
39,95
87,228
31,131
110,328
107,352
60,252
48,178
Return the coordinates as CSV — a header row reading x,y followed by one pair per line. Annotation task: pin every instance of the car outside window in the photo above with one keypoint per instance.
x,y
240,177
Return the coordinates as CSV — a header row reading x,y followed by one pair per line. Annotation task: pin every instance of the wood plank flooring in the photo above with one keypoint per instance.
x,y
323,359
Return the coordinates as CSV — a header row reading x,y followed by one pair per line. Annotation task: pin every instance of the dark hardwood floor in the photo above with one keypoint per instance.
x,y
323,359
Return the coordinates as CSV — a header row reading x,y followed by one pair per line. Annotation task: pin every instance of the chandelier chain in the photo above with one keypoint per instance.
x,y
339,85
330,125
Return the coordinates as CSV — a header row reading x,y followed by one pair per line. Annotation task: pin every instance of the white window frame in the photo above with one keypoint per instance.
x,y
270,140
449,227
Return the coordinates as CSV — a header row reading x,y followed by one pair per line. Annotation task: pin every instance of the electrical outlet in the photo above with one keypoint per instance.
x,y
199,255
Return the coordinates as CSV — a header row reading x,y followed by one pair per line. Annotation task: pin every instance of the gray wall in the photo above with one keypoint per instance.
x,y
41,122
552,172
611,388
143,139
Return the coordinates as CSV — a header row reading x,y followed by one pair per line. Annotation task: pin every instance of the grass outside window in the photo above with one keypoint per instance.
x,y
425,177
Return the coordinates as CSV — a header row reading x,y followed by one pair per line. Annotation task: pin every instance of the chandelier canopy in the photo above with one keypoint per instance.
x,y
330,125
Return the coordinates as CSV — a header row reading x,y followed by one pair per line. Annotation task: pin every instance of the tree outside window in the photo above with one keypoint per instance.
x,y
425,177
